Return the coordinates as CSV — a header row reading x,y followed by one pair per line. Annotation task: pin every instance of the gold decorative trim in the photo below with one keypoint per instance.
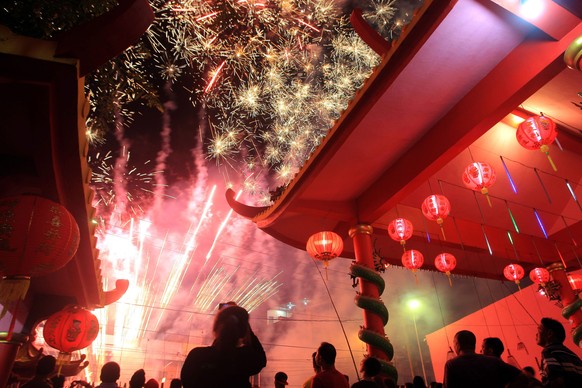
x,y
555,267
15,338
362,229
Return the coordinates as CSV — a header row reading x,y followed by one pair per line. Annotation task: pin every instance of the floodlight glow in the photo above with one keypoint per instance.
x,y
531,9
413,304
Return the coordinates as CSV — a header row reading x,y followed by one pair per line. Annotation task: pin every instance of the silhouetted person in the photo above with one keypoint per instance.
x,y
235,355
138,379
370,368
176,383
492,346
531,375
281,379
560,366
329,377
110,373
44,368
470,369
418,382
316,369
152,383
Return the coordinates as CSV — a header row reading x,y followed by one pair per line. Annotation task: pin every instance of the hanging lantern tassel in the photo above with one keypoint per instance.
x,y
546,150
485,192
440,221
62,359
448,273
12,289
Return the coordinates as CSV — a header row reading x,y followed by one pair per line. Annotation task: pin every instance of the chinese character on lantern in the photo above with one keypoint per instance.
x,y
73,328
537,133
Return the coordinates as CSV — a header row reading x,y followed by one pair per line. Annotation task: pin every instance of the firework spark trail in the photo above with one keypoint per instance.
x,y
260,293
181,264
221,228
211,287
191,244
119,171
164,152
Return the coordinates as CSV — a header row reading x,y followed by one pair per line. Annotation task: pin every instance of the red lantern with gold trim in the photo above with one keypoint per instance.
x,y
400,229
73,328
413,260
537,133
325,246
514,272
539,276
37,237
478,177
446,262
436,208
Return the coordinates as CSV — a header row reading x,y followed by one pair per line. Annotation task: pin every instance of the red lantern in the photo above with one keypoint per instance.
x,y
412,259
436,208
539,276
537,133
514,272
325,246
38,237
478,177
445,262
400,229
70,329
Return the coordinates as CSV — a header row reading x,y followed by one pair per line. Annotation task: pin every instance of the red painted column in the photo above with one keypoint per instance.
x,y
569,299
363,247
8,350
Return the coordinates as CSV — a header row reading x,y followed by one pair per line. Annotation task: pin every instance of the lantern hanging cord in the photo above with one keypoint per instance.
x,y
441,310
338,318
522,306
481,306
557,215
497,313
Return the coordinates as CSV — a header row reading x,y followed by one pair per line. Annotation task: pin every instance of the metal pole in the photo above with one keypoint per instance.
x,y
419,349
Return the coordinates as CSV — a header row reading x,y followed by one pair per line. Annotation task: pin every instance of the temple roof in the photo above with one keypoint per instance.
x,y
451,91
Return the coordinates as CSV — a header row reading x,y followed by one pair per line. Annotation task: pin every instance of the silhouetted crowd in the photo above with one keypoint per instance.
x,y
236,355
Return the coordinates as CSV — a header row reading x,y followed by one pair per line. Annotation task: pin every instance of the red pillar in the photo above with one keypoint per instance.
x,y
363,247
8,350
569,299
